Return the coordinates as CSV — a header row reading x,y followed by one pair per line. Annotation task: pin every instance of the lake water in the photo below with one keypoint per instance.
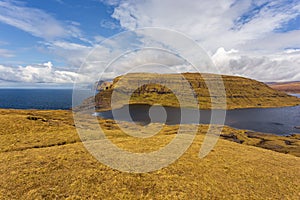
x,y
280,121
297,95
270,120
49,99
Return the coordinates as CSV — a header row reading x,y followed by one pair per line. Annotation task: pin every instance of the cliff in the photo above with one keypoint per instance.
x,y
240,92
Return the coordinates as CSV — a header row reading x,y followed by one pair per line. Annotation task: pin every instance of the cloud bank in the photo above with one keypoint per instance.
x,y
277,67
41,73
220,23
249,38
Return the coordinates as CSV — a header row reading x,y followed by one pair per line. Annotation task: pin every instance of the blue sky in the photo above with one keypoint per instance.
x,y
88,16
256,39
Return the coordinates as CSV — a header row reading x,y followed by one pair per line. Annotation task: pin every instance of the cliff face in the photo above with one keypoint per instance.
x,y
240,92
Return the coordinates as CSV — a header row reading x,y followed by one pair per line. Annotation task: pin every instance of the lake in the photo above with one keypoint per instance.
x,y
280,121
297,95
268,120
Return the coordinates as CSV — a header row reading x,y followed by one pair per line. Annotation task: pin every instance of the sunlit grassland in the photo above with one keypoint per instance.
x,y
42,157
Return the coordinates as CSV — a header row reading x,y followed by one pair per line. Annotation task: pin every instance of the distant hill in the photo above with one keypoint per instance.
x,y
240,92
288,87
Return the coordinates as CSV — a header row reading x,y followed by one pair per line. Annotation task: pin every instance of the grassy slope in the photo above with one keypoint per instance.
x,y
240,92
41,157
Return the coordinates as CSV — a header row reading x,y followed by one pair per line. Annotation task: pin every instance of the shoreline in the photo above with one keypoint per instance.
x,y
236,108
289,144
96,111
108,109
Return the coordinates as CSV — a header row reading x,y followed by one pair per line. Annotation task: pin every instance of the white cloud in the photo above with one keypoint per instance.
x,y
292,51
254,29
108,24
275,67
35,21
72,53
226,23
275,42
282,66
243,38
42,73
6,53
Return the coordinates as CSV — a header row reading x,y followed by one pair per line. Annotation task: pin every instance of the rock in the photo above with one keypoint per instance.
x,y
287,142
232,137
251,134
35,118
32,118
262,141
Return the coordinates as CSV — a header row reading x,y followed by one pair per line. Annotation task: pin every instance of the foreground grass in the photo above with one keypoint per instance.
x,y
41,157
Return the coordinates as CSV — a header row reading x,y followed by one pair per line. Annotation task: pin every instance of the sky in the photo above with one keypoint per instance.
x,y
45,43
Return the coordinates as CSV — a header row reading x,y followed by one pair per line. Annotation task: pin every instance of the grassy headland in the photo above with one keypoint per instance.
x,y
239,92
42,158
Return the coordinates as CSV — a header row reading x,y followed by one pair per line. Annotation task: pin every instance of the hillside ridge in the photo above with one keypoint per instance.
x,y
240,92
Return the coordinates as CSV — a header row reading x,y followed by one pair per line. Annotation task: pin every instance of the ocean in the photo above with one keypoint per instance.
x,y
44,99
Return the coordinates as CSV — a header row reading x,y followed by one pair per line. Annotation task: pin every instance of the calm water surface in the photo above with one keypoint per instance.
x,y
297,95
269,120
280,121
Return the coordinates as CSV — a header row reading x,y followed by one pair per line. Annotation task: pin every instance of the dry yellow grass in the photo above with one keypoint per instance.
x,y
20,130
43,158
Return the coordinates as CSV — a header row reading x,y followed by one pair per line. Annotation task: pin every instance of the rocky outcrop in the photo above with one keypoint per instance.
x,y
102,85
